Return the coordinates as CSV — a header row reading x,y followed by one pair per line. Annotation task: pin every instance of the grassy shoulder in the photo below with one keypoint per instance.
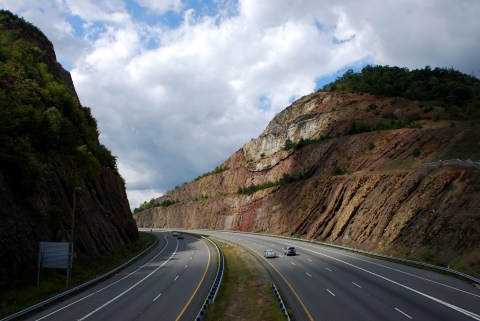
x,y
22,292
245,292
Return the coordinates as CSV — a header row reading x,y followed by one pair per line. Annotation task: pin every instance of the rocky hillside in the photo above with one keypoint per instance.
x,y
348,168
49,150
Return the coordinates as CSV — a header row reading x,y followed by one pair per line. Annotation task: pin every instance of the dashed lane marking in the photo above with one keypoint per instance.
x,y
404,313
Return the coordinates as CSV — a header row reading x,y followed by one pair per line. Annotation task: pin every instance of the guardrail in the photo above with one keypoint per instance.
x,y
216,285
453,162
78,287
280,301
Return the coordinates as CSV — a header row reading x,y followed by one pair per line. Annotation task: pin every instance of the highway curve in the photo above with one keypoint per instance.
x,y
322,283
170,283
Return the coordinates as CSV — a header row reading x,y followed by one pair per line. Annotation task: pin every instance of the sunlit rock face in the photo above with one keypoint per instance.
x,y
382,190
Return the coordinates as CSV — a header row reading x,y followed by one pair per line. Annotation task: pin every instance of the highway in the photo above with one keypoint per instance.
x,y
322,283
170,283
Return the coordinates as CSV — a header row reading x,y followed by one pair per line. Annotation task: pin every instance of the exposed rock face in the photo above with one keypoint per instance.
x,y
371,190
42,210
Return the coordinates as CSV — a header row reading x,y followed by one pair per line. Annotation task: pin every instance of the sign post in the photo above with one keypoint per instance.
x,y
54,255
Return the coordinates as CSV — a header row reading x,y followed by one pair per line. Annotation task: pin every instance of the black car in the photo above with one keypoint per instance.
x,y
290,251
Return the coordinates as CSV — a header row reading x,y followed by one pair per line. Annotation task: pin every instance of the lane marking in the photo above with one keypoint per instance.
x,y
328,269
330,292
400,271
289,285
310,260
175,278
292,262
129,289
308,274
404,313
157,297
198,286
106,287
186,266
356,285
454,307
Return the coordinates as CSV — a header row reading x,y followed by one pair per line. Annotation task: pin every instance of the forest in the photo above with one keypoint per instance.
x,y
456,92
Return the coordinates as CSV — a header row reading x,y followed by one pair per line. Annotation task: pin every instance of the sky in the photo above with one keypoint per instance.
x,y
177,86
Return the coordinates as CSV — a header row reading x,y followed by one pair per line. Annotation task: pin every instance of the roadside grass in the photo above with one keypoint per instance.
x,y
21,293
245,292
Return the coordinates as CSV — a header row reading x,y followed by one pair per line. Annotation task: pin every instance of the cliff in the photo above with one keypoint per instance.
x,y
351,169
49,151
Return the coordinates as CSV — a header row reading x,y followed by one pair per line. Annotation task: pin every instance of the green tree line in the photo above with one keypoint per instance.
x,y
457,92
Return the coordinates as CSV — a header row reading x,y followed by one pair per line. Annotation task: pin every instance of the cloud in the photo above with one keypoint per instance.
x,y
174,100
161,6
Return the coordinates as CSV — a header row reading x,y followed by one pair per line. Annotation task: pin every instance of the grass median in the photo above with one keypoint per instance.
x,y
23,292
246,291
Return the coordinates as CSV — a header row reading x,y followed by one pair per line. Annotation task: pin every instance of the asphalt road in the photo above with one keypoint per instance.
x,y
322,283
170,283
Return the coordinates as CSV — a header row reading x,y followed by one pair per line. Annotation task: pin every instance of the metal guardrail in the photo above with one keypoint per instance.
x,y
216,285
453,162
280,301
78,287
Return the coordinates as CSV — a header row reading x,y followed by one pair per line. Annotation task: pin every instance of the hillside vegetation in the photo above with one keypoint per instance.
x,y
458,93
49,152
39,113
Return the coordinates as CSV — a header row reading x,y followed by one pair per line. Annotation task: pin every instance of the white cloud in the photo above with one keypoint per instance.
x,y
175,110
161,6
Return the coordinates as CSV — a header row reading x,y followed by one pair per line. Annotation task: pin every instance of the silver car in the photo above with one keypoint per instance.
x,y
269,253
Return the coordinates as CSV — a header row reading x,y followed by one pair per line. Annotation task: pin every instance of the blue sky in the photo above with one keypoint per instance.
x,y
177,86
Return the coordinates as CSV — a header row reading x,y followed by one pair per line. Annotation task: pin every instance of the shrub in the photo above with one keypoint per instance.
x,y
337,170
286,178
218,169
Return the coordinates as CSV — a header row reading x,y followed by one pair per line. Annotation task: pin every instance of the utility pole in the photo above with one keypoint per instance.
x,y
69,270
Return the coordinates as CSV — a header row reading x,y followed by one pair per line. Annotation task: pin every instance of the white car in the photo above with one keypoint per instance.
x,y
269,253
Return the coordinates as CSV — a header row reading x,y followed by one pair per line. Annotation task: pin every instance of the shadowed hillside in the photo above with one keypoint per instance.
x,y
49,148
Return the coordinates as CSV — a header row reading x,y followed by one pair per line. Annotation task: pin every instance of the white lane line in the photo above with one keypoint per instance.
x,y
308,274
328,269
91,294
292,263
404,313
400,271
356,285
157,297
175,278
191,257
128,290
310,260
451,306
330,292
186,266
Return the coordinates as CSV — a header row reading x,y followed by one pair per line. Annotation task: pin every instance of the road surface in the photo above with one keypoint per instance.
x,y
322,283
170,283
